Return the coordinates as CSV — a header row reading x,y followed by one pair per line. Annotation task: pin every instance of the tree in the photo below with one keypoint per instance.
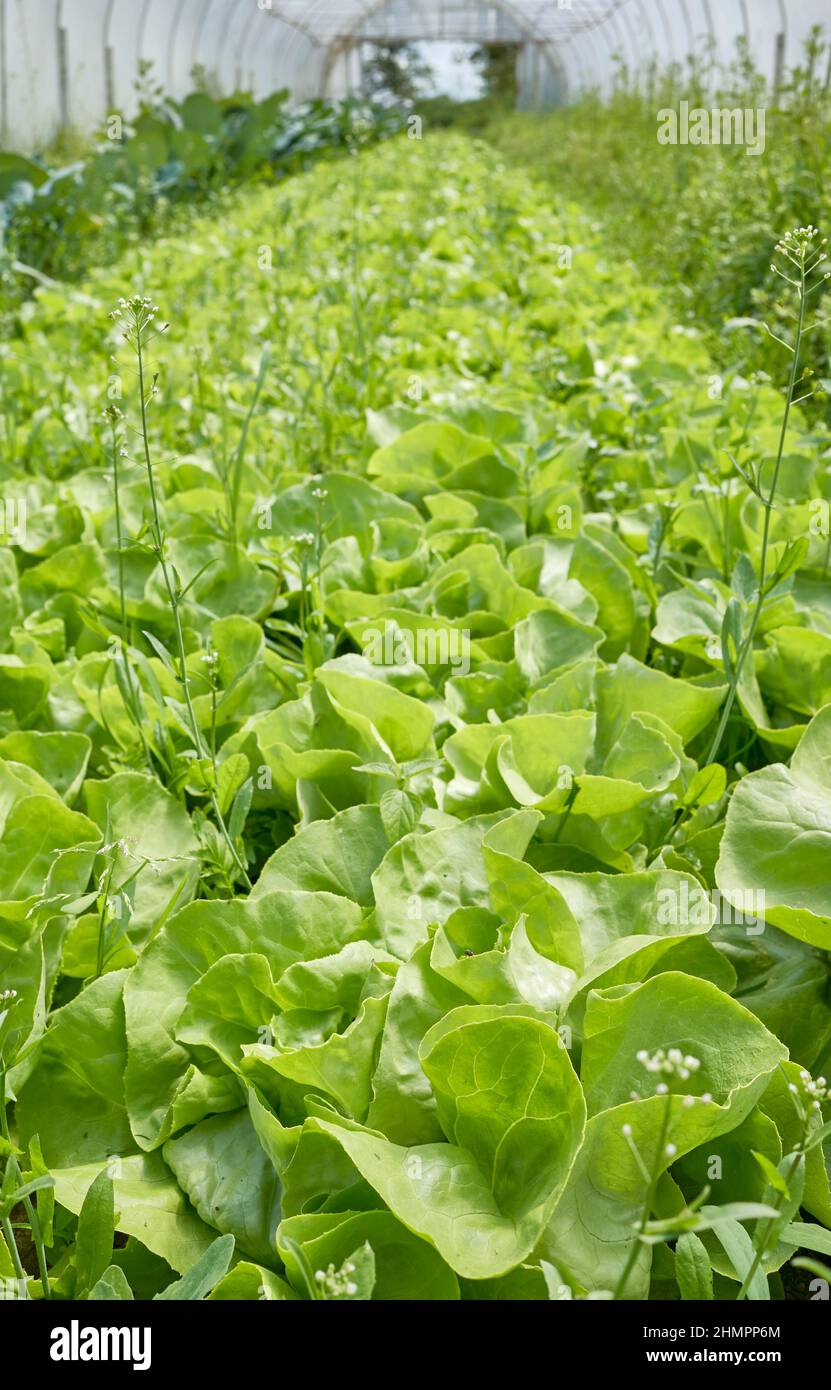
x,y
497,64
397,69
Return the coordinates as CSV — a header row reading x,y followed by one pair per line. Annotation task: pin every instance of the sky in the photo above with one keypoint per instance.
x,y
460,80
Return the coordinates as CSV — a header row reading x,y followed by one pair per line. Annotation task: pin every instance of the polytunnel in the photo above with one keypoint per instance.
x,y
415,679
66,64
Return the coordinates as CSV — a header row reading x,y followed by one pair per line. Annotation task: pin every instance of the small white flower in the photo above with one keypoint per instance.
x,y
671,1063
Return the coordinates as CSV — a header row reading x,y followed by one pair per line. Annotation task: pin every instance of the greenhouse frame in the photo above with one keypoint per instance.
x,y
68,63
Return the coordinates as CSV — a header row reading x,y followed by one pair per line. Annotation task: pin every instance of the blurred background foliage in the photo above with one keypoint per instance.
x,y
699,221
83,201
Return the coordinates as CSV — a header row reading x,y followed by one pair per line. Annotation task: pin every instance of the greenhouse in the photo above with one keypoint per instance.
x,y
68,63
415,664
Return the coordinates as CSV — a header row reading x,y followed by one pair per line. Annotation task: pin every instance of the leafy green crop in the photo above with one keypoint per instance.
x,y
174,154
717,214
415,733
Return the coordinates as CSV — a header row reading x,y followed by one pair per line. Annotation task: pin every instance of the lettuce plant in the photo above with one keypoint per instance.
x,y
415,738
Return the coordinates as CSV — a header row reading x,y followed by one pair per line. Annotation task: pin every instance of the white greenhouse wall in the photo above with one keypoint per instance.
x,y
667,30
71,62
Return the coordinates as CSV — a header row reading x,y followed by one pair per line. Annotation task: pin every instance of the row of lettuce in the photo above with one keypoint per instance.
x,y
716,206
59,218
449,500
